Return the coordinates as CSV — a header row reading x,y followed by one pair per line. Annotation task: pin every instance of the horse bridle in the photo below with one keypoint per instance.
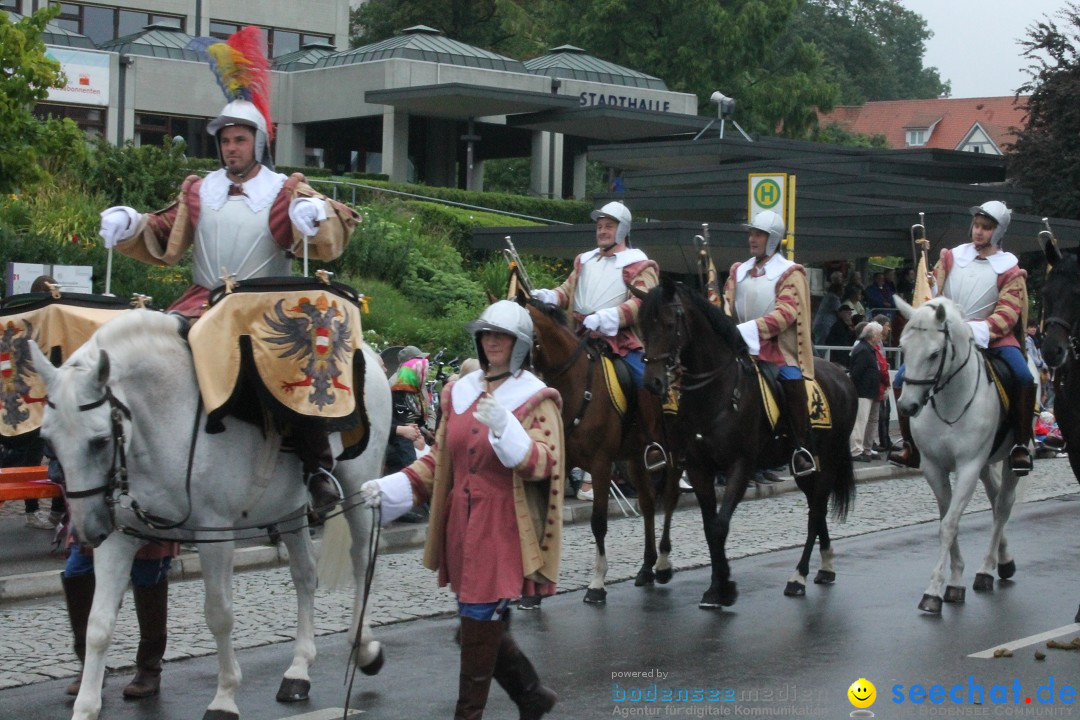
x,y
117,412
1070,333
675,371
937,384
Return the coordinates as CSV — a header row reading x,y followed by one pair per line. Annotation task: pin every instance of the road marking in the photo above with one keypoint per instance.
x,y
325,714
1030,640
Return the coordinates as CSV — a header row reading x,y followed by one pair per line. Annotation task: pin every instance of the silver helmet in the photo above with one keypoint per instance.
x,y
768,222
244,112
996,211
505,316
620,214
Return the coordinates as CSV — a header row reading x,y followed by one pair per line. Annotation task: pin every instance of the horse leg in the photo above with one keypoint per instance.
x,y
664,570
1004,494
951,505
112,569
722,591
217,565
596,594
819,504
642,482
368,652
296,683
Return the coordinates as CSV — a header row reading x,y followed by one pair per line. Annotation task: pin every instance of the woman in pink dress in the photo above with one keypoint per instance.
x,y
494,479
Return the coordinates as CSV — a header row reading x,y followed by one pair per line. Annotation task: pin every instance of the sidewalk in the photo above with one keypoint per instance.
x,y
30,568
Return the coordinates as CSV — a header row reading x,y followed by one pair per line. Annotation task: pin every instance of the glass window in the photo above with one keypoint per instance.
x,y
12,5
916,138
168,20
284,42
98,24
306,39
222,30
131,22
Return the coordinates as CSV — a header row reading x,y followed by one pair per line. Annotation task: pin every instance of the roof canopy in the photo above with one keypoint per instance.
x,y
424,43
567,61
156,40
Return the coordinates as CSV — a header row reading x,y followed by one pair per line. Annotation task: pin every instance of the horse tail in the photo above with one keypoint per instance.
x,y
843,487
335,562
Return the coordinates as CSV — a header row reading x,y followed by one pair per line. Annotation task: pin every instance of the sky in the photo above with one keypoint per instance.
x,y
991,65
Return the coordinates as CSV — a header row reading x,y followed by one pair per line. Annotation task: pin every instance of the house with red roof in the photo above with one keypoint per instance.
x,y
984,125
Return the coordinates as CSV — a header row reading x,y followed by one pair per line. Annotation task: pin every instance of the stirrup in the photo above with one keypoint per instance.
x,y
1028,460
659,464
804,454
333,482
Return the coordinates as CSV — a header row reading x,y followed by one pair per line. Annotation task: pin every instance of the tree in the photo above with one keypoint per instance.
x,y
873,48
1046,154
26,75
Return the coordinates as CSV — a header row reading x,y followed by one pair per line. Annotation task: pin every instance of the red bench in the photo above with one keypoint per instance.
x,y
26,483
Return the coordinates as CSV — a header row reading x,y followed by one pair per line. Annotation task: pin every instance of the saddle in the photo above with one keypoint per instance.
x,y
288,347
772,397
59,324
618,382
998,372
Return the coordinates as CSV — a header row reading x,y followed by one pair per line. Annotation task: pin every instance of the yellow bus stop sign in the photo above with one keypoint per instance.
x,y
776,192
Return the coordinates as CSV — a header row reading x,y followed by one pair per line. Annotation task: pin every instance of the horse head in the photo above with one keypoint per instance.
x,y
664,334
1061,307
936,343
83,431
555,346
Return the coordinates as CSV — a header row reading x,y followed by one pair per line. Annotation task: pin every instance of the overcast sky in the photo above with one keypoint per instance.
x,y
974,44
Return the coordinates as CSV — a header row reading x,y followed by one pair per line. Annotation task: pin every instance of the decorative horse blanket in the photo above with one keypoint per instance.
x,y
59,325
292,342
816,402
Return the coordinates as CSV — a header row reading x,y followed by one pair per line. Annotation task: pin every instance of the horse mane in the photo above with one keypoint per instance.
x,y
132,336
717,319
1067,267
554,312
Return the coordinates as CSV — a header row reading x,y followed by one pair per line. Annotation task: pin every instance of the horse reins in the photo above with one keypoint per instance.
x,y
587,397
938,384
1074,340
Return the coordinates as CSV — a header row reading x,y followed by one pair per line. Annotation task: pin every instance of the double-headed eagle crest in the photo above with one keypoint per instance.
x,y
16,367
320,338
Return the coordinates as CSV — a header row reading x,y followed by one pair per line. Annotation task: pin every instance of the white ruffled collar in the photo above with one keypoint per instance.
x,y
774,268
512,394
964,255
628,256
259,192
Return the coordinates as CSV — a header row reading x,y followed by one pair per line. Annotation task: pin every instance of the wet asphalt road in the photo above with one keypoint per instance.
x,y
767,656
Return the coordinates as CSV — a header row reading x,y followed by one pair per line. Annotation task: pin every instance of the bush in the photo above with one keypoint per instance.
x,y
146,177
308,172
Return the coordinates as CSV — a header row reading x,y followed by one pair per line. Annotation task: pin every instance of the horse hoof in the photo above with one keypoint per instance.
x,y
293,690
529,602
710,600
794,589
220,715
728,594
373,667
931,604
983,582
596,596
644,577
954,594
825,577
664,576
1006,570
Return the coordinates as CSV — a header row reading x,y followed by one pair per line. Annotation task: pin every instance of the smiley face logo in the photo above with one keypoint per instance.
x,y
862,693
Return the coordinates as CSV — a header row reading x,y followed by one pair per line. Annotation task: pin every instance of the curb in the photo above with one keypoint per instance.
x,y
398,538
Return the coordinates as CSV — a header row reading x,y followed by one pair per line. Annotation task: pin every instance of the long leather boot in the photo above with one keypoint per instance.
x,y
651,416
152,611
79,596
908,454
480,641
802,460
517,676
1020,457
313,448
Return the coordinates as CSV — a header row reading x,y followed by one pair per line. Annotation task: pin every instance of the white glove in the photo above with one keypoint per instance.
x,y
605,322
492,414
306,214
546,296
118,224
371,494
591,322
981,330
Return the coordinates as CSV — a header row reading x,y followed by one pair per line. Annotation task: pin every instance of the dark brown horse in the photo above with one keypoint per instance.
x,y
1061,347
722,426
596,435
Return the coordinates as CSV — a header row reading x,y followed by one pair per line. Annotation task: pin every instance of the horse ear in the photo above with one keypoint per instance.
x,y
906,310
638,292
521,297
940,314
103,368
667,283
42,366
1053,255
492,299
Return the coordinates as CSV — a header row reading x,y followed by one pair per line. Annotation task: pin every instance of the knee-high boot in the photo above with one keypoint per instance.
x,y
908,454
152,611
1020,458
802,460
79,596
313,447
480,641
517,676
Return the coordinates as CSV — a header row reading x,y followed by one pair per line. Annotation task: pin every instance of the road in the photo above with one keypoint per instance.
x,y
768,655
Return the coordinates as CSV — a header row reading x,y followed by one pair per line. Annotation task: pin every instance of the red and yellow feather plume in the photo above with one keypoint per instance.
x,y
243,70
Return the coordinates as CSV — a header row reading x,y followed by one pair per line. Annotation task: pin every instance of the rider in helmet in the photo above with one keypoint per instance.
x,y
598,293
494,479
769,297
991,290
247,221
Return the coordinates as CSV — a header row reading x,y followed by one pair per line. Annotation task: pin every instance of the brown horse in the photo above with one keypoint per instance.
x,y
1061,347
597,435
722,426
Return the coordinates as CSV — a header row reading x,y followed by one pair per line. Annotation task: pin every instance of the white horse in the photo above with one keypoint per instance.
x,y
127,402
945,370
